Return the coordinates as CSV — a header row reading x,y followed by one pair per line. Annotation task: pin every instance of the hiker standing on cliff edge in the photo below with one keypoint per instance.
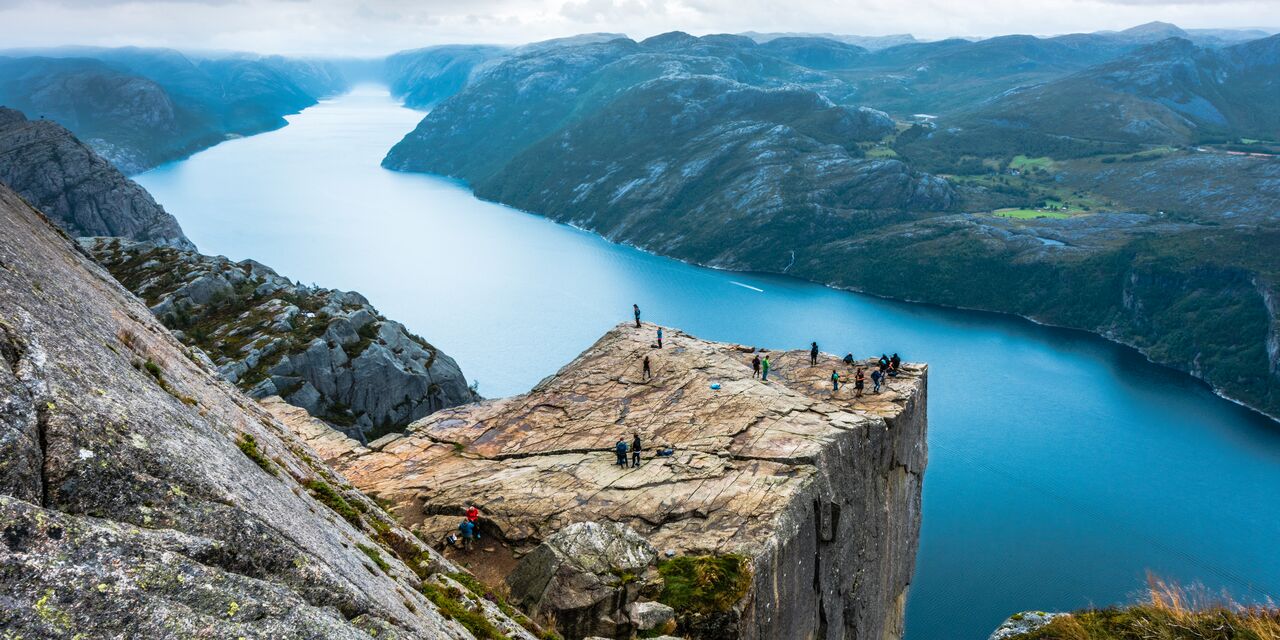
x,y
659,337
755,366
813,354
764,367
636,309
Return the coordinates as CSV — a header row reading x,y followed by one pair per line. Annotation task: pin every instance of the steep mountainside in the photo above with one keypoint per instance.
x,y
79,190
660,143
424,77
329,352
818,493
142,107
144,497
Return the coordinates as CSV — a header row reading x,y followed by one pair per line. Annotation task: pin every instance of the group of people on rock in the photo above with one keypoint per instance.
x,y
468,530
887,367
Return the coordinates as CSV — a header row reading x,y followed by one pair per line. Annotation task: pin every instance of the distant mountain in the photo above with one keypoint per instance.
x,y
871,43
80,191
616,136
1169,93
423,77
142,107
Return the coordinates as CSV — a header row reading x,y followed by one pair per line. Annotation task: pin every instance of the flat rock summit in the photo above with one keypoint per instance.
x,y
818,490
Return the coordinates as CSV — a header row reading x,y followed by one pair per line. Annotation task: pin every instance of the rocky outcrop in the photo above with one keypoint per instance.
x,y
79,190
143,497
1022,623
818,491
579,575
327,351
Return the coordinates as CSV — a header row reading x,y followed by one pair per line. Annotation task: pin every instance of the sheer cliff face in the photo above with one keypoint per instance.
x,y
820,490
79,190
141,496
327,351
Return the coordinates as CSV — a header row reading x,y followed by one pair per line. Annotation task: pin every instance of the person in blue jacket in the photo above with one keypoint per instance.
x,y
621,450
468,529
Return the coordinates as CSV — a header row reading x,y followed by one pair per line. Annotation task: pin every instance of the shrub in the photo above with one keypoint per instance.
x,y
249,445
329,497
447,600
375,557
704,584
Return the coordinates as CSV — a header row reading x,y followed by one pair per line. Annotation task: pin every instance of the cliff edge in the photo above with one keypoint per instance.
x,y
818,491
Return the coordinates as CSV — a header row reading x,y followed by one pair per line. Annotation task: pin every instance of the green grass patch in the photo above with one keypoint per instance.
x,y
249,446
1170,612
1024,163
704,584
449,601
329,497
375,557
1030,214
1149,622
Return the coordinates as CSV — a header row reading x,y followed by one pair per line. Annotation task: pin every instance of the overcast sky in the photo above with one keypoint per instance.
x,y
369,27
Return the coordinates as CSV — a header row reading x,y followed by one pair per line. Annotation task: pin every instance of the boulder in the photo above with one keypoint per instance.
x,y
650,615
584,575
1024,622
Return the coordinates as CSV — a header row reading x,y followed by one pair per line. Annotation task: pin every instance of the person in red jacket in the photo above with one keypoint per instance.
x,y
473,514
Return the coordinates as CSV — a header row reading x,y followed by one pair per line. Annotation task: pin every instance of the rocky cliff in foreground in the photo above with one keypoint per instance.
x,y
327,351
799,506
78,189
143,497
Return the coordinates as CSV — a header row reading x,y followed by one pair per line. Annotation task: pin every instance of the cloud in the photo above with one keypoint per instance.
x,y
367,27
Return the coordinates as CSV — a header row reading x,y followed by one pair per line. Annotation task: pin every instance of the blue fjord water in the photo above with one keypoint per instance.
x,y
1062,467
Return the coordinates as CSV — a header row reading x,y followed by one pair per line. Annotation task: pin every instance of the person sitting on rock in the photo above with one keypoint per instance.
x,y
813,354
848,359
473,514
884,363
895,364
621,449
755,366
635,450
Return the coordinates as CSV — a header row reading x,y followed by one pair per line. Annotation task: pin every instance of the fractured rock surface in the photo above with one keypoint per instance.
x,y
821,490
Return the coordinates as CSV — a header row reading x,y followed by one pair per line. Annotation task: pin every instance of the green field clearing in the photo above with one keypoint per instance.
x,y
1023,163
1030,214
881,152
